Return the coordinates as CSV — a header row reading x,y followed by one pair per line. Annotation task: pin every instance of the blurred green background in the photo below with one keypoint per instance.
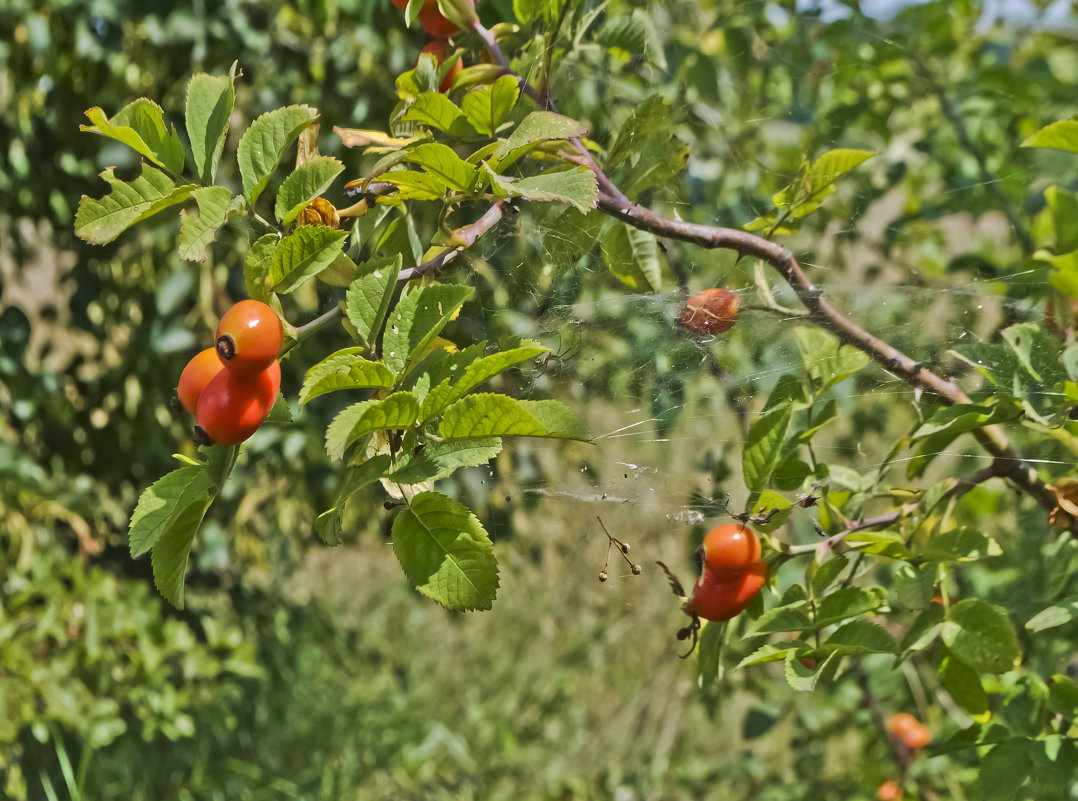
x,y
298,671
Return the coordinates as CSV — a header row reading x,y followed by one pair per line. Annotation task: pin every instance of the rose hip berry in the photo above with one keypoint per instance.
x,y
249,337
196,375
233,406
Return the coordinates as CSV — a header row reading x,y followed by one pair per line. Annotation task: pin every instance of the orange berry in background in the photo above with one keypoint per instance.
x,y
918,737
438,48
196,375
710,312
729,549
889,791
901,724
233,406
717,599
249,337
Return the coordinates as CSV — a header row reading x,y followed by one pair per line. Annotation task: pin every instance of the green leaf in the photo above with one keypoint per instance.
x,y
963,417
435,110
415,185
982,636
210,99
445,552
822,576
309,180
399,410
848,602
646,154
1062,135
632,256
439,160
957,545
263,145
197,233
635,34
101,221
169,554
763,447
788,389
162,503
1004,770
778,506
141,126
576,187
487,107
964,685
303,254
567,235
328,524
537,128
441,460
256,266
476,373
772,652
924,630
490,415
1056,615
833,164
781,619
1037,351
417,319
801,677
345,369
859,637
369,295
825,360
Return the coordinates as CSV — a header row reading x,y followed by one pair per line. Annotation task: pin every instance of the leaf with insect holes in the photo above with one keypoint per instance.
x,y
576,187
488,106
141,126
162,503
633,257
308,181
369,295
491,415
168,557
328,524
303,254
197,233
476,373
417,319
445,552
100,221
210,99
263,145
345,369
399,410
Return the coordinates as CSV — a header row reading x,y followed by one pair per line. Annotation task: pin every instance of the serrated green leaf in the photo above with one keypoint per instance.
x,y
417,319
399,410
924,630
256,266
632,256
141,126
445,552
263,145
799,676
210,99
162,503
369,295
577,187
646,153
772,652
777,506
848,602
487,107
635,34
957,545
476,373
435,110
537,128
963,417
1062,135
823,575
781,619
197,233
964,685
1037,351
101,221
414,185
303,254
441,460
1004,770
833,164
859,637
490,415
168,556
439,160
1058,614
982,636
345,369
763,447
309,180
328,524
825,359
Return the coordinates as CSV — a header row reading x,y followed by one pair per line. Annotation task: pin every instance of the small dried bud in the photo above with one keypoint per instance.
x,y
625,547
636,570
603,576
710,312
320,212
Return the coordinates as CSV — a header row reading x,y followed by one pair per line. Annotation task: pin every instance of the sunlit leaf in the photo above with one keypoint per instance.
x,y
263,145
101,221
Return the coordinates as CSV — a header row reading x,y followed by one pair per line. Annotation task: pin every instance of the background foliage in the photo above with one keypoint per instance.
x,y
300,672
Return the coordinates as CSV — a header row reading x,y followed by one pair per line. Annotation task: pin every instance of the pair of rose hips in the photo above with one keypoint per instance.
x,y
230,388
431,19
910,731
731,573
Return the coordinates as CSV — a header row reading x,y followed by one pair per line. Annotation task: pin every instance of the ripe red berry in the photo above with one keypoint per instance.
x,y
233,406
889,791
438,49
729,549
710,312
196,375
249,337
717,599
